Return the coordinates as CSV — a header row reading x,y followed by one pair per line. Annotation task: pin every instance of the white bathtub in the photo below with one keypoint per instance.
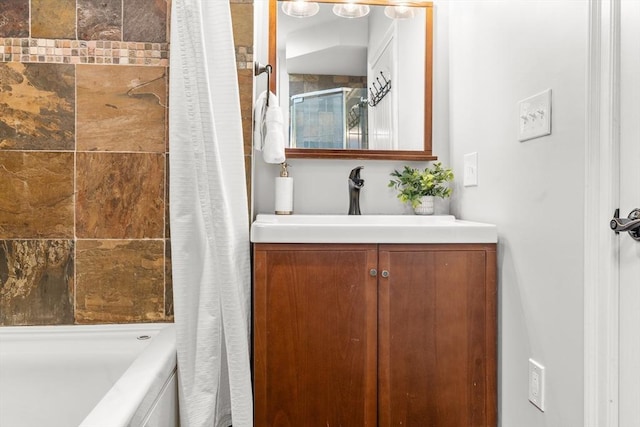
x,y
88,376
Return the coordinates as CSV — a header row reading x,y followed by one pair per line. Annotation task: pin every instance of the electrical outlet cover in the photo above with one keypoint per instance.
x,y
536,384
470,170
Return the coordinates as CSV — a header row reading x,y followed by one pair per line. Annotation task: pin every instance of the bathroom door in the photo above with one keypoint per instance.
x,y
629,379
383,121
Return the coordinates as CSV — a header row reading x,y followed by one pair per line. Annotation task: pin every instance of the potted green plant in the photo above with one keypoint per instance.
x,y
420,186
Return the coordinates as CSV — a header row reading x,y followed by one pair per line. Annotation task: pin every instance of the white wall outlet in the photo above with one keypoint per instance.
x,y
470,170
536,384
534,118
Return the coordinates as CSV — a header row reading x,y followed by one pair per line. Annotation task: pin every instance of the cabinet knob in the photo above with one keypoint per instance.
x,y
385,273
373,272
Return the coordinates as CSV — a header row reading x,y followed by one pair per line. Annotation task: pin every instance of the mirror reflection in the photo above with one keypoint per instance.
x,y
354,76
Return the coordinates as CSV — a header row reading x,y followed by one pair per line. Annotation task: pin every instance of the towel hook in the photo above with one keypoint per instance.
x,y
381,90
258,69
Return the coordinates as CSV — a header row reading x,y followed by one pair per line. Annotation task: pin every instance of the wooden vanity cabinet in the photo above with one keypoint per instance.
x,y
375,335
437,335
315,314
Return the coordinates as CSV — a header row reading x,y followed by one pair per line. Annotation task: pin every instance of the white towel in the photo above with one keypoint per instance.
x,y
259,111
273,148
269,134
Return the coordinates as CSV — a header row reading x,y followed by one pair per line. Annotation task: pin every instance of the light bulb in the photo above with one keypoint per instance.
x,y
351,10
399,12
300,8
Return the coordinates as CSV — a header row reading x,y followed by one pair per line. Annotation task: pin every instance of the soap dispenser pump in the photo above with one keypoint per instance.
x,y
284,191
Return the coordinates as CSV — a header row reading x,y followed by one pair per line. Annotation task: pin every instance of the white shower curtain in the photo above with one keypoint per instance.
x,y
209,219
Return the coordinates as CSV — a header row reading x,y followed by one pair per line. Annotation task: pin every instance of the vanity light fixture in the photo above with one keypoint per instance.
x,y
399,12
300,8
351,10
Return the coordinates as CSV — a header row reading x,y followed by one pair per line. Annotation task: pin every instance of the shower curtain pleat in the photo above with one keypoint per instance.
x,y
209,219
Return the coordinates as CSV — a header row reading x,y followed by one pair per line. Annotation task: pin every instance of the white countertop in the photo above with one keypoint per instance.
x,y
270,228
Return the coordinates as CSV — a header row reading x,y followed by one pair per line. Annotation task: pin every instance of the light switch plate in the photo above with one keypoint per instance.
x,y
470,170
534,116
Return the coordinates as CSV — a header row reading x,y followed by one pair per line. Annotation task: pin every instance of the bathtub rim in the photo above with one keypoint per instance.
x,y
136,391
156,359
24,331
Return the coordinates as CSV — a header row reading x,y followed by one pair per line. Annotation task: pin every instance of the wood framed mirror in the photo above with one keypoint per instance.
x,y
382,80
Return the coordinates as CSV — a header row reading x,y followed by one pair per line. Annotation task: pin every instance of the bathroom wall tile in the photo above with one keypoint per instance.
x,y
36,282
120,195
302,83
121,108
100,20
37,106
247,171
166,117
145,21
14,18
167,222
245,82
244,57
36,195
242,18
55,19
242,21
168,283
119,281
63,51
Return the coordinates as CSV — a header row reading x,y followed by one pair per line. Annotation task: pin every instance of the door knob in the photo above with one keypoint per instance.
x,y
630,224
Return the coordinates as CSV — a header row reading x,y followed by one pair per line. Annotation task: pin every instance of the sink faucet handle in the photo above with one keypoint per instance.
x,y
355,184
355,175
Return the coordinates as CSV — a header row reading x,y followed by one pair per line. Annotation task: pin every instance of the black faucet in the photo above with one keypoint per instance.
x,y
355,184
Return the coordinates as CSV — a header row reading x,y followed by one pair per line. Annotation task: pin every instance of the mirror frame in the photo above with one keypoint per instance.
x,y
313,153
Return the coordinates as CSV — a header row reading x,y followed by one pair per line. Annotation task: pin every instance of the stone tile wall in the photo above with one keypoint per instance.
x,y
84,229
303,83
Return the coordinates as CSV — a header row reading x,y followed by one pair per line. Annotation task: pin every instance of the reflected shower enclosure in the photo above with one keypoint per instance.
x,y
331,119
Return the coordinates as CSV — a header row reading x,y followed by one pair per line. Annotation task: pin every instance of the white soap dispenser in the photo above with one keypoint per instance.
x,y
284,192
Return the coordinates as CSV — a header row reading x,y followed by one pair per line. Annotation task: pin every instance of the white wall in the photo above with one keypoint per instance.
x,y
502,52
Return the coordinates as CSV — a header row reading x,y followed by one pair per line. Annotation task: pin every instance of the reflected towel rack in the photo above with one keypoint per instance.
x,y
259,69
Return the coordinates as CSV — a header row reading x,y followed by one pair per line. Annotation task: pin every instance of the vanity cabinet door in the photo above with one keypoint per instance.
x,y
437,336
315,315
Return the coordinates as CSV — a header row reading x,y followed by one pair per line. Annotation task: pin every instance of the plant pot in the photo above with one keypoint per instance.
x,y
426,206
